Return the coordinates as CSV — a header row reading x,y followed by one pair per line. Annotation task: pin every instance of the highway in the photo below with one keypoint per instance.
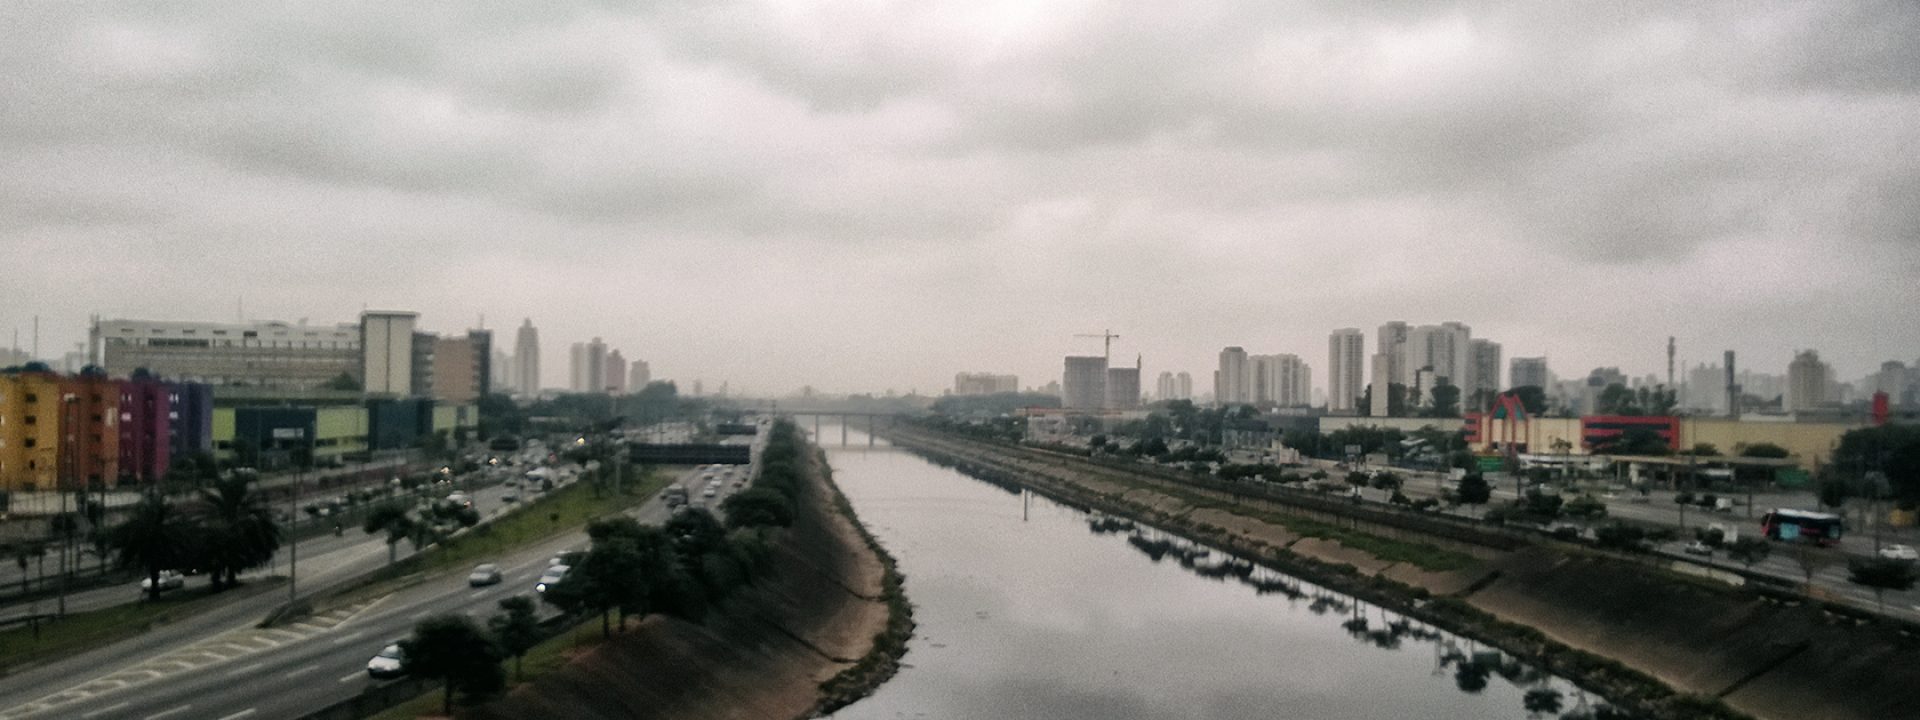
x,y
226,669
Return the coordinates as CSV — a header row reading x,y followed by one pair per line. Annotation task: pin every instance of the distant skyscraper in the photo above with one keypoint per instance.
x,y
502,370
1393,345
1530,372
1164,387
1346,368
1084,385
386,345
1279,380
1123,387
616,382
526,360
1231,384
1485,374
1807,380
1381,388
639,374
1183,385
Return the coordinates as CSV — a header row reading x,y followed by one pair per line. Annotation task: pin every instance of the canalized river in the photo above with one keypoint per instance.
x,y
1032,609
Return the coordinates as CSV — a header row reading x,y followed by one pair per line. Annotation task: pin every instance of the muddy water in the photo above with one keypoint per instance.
x,y
1031,609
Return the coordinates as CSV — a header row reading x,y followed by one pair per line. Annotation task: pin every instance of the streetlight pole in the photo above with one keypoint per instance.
x,y
293,522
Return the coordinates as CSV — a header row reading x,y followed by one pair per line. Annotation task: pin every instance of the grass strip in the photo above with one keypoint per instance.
x,y
82,631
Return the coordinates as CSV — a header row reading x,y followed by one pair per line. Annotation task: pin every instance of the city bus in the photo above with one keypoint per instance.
x,y
1787,524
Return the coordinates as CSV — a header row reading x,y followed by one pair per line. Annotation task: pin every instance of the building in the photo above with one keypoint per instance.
x,y
639,375
1164,387
971,383
616,373
1380,390
500,371
526,360
146,429
190,418
462,367
1447,348
1530,372
1123,387
1346,370
387,348
1484,369
264,354
89,418
1807,381
1280,380
1183,382
1231,383
1084,385
29,429
1393,345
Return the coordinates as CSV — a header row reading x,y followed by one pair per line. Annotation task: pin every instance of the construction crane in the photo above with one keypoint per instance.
x,y
1106,335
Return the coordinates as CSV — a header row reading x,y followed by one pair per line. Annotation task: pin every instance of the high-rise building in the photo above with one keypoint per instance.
x,y
1123,387
89,416
616,373
526,360
1807,380
1084,385
387,345
980,383
577,367
146,415
1485,373
1380,389
589,367
501,371
1532,371
262,354
1164,388
1446,348
1183,386
1231,383
1704,389
639,374
422,365
1393,345
1279,380
462,367
1346,367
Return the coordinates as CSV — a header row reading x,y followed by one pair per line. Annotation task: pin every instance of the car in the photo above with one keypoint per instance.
x,y
485,574
567,557
510,497
1899,552
390,663
1697,548
709,492
169,580
550,578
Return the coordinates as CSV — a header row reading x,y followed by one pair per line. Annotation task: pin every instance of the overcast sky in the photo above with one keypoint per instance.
x,y
870,195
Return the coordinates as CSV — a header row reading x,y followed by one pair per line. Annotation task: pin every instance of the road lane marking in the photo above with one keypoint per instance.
x,y
476,595
105,710
421,614
302,671
349,637
241,714
236,672
167,713
352,677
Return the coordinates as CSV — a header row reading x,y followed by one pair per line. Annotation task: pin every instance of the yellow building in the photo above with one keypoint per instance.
x,y
1812,444
29,431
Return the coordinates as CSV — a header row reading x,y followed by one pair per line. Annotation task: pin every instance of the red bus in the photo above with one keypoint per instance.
x,y
1816,527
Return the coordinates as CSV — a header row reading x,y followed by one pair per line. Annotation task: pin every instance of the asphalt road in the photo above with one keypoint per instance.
x,y
226,669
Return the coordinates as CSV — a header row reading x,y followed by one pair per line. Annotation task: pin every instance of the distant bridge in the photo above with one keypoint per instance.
x,y
845,418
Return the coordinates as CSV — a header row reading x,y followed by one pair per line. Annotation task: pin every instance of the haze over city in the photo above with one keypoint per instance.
x,y
862,197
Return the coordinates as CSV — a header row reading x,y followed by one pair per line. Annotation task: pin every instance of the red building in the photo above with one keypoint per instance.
x,y
89,430
146,418
1598,431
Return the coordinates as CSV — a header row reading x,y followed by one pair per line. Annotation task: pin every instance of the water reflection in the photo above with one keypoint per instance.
x,y
1018,618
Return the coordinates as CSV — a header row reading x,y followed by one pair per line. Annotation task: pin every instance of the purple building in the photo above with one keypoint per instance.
x,y
192,416
146,421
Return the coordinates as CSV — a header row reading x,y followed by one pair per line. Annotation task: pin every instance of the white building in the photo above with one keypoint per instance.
x,y
1807,382
1484,371
1346,370
639,374
387,343
1231,384
526,360
1530,371
262,354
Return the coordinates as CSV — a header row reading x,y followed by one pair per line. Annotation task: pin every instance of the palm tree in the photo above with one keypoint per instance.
x,y
394,520
153,538
240,531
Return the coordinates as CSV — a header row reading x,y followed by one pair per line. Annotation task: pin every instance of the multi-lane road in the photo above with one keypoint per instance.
x,y
219,666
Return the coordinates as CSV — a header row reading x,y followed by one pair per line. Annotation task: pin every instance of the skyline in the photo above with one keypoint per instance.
x,y
868,197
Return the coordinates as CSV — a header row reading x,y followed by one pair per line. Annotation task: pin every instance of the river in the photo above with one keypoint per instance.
x,y
1032,609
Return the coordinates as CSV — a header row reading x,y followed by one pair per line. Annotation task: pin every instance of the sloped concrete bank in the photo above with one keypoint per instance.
x,y
824,627
1650,640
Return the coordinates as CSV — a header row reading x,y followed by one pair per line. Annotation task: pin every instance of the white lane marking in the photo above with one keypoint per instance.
x,y
477,594
105,710
165,713
352,677
349,637
301,671
421,614
241,714
244,670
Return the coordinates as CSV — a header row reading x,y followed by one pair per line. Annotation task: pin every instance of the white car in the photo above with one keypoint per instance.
x,y
553,576
173,580
1899,552
390,663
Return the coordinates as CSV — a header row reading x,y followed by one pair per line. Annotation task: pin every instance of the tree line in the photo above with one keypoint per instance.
x,y
225,530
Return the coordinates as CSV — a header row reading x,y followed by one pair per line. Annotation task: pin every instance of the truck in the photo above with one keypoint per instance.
x,y
676,496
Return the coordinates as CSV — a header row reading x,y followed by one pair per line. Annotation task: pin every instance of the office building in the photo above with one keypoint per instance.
x,y
1393,345
1164,387
1525,372
462,367
387,347
1084,385
424,344
980,383
1807,382
501,371
1484,371
589,367
1123,387
617,373
1232,381
264,354
526,360
1346,367
639,375
1380,389
1279,380
190,418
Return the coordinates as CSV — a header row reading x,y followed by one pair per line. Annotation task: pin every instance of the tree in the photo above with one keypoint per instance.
x,y
1636,441
1749,550
1810,560
454,650
1893,449
1882,574
344,382
1705,450
1358,479
1541,701
1387,481
153,538
757,506
1765,450
394,520
1533,398
1446,402
1616,399
515,629
1585,509
239,530
1474,489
